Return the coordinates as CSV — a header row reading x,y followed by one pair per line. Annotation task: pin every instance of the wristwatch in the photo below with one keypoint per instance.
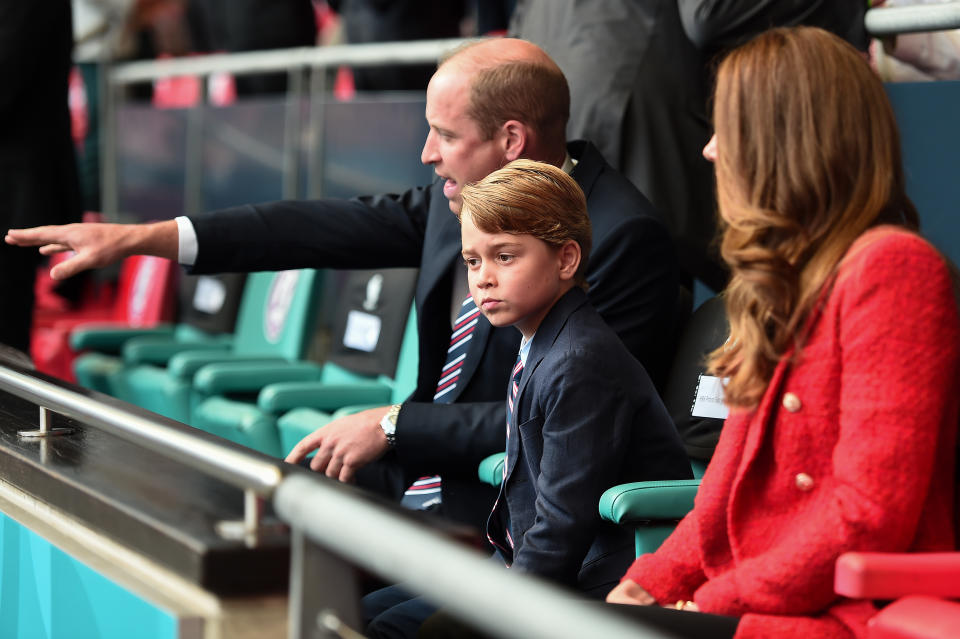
x,y
389,424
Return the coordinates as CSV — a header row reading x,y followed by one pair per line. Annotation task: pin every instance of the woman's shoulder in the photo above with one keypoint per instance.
x,y
890,249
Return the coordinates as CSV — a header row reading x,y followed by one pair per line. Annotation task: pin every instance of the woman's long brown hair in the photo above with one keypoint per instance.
x,y
808,159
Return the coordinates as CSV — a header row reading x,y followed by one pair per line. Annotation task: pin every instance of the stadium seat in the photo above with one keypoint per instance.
x,y
355,376
921,585
145,298
371,320
207,312
274,327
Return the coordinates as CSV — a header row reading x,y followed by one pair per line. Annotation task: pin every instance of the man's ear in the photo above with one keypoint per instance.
x,y
514,137
569,255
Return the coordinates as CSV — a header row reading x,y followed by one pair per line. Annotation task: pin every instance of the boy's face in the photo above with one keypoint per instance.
x,y
516,279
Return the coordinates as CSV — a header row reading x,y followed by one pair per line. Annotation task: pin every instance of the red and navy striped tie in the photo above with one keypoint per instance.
x,y
463,328
511,409
425,492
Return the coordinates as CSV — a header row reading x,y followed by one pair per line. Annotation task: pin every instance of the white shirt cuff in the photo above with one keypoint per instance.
x,y
187,237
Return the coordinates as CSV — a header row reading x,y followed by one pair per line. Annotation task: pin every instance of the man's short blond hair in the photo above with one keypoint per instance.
x,y
532,90
532,198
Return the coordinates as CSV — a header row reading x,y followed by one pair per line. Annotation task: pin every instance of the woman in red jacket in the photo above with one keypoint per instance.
x,y
842,364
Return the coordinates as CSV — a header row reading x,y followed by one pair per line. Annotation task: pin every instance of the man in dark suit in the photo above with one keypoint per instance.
x,y
38,174
486,105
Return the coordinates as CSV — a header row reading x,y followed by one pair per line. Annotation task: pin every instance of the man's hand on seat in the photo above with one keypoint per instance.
x,y
344,445
98,245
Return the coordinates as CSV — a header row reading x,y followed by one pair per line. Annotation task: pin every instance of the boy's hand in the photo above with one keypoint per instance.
x,y
345,445
98,245
632,593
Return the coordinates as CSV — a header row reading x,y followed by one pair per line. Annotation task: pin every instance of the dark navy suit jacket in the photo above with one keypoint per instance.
x,y
586,417
632,272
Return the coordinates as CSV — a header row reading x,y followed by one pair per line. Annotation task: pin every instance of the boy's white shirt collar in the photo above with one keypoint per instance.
x,y
525,348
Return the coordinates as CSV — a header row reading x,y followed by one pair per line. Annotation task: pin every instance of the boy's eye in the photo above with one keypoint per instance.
x,y
505,258
471,261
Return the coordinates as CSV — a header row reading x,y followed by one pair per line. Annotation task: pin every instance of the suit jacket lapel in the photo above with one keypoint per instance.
x,y
442,246
589,164
543,341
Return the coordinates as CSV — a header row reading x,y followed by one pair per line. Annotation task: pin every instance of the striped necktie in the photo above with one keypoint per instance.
x,y
463,328
425,492
512,392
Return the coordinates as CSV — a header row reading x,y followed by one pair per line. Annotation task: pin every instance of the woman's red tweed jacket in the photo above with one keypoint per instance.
x,y
851,448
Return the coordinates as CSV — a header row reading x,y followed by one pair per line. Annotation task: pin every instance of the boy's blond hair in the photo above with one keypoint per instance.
x,y
532,198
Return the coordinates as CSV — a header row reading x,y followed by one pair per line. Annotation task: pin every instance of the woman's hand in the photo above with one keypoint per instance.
x,y
632,593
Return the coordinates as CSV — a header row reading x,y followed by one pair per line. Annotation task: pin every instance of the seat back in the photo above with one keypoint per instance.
x,y
405,378
145,292
210,303
706,330
370,321
277,313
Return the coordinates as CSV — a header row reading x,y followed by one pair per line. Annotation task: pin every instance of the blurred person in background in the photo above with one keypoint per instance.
x,y
640,74
917,57
38,171
252,25
366,21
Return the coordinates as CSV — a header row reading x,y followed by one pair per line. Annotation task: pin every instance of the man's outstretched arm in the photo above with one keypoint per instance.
x,y
98,245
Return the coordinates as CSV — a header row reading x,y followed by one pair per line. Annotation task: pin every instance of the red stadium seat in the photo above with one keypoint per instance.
x,y
145,297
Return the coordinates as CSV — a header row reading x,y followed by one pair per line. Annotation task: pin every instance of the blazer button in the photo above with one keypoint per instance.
x,y
804,482
791,402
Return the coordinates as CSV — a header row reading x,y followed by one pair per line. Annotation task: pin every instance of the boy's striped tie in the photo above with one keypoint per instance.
x,y
511,408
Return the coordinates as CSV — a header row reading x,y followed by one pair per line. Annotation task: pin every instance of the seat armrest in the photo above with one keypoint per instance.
x,y
111,337
648,500
184,365
491,469
357,408
159,350
916,617
277,398
876,575
251,375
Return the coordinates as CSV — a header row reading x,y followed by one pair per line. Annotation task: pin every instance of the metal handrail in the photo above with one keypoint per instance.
x,y
462,581
357,55
256,477
885,21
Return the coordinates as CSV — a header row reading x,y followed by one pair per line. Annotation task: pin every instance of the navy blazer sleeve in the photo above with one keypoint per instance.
x,y
379,231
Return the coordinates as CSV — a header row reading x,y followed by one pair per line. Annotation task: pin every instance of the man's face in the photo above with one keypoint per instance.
x,y
455,145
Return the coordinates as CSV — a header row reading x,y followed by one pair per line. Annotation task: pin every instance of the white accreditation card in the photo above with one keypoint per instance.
x,y
709,399
363,331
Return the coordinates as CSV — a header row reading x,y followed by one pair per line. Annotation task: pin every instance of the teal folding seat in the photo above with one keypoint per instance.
x,y
273,329
313,405
371,319
206,315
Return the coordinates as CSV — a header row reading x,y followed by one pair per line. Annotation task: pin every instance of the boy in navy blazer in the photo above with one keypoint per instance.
x,y
582,414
